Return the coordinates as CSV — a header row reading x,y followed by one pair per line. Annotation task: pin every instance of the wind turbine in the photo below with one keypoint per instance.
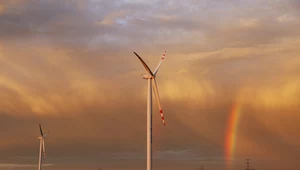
x,y
151,84
42,146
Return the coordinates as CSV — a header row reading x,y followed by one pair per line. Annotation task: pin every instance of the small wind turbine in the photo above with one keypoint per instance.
x,y
151,83
42,146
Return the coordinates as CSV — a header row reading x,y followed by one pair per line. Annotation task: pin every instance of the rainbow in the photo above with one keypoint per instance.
x,y
231,133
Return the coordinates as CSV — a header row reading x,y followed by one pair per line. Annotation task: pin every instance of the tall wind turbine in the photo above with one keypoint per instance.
x,y
151,84
42,146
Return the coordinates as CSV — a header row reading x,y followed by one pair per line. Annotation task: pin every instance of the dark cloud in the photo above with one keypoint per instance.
x,y
99,23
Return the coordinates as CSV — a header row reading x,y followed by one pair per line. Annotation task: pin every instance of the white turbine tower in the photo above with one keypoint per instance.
x,y
42,147
151,83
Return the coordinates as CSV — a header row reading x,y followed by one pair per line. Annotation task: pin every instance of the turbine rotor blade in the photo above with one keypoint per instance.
x,y
41,130
46,134
154,85
158,66
144,64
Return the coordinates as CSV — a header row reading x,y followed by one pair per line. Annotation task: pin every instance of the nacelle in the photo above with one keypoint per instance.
x,y
147,76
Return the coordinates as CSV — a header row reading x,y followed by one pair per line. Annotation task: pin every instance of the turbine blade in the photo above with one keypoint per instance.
x,y
41,130
154,85
144,64
44,150
47,134
162,59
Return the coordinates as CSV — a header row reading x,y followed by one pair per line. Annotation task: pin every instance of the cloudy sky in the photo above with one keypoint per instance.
x,y
69,65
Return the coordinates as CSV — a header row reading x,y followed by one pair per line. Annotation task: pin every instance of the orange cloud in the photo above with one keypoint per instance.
x,y
62,85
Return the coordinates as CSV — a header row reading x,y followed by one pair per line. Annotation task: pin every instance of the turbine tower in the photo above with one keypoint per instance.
x,y
42,147
151,84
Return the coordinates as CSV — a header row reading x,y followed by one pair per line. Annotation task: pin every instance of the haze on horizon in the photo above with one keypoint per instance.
x,y
69,65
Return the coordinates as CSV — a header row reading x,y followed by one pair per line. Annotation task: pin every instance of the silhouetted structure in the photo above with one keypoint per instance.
x,y
248,165
201,168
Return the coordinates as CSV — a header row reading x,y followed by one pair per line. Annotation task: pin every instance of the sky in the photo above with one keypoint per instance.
x,y
229,85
